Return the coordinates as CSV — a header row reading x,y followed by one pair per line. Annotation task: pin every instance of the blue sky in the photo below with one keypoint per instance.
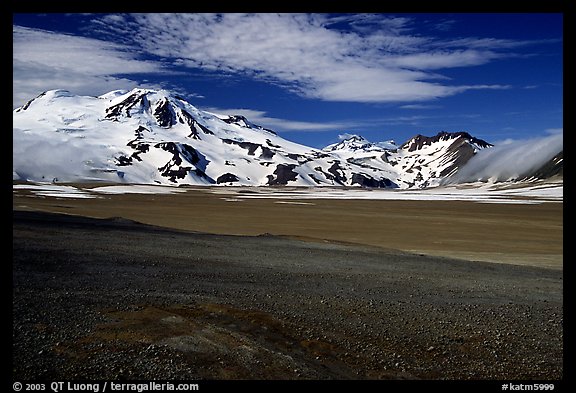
x,y
313,77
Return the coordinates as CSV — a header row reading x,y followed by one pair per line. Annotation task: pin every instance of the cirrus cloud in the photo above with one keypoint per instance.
x,y
363,58
308,54
44,60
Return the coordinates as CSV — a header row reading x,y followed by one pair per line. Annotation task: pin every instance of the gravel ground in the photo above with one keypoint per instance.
x,y
113,299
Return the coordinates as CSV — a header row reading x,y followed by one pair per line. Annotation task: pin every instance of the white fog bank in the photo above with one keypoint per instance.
x,y
509,160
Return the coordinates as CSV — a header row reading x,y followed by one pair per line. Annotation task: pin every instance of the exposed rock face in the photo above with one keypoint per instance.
x,y
554,167
370,182
227,178
283,174
420,141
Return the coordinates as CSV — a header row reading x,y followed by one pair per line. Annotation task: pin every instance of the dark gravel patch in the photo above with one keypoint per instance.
x,y
114,299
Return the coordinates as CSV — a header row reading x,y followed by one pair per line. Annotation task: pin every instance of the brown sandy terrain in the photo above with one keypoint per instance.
x,y
525,234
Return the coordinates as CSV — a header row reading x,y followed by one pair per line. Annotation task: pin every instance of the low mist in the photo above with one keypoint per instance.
x,y
40,159
509,160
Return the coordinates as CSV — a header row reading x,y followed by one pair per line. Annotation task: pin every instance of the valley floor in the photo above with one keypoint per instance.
x,y
112,299
115,299
508,226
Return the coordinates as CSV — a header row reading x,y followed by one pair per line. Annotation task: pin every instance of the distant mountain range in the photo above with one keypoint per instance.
x,y
147,136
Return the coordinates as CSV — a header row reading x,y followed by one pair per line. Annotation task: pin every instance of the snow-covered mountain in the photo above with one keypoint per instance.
x,y
147,136
359,143
418,163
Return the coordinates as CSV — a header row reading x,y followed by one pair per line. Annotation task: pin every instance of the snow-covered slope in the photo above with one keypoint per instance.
x,y
147,136
418,163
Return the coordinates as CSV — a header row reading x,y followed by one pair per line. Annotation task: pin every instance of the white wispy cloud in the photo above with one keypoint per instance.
x,y
310,55
445,25
85,55
277,124
444,59
492,44
351,58
263,119
420,106
44,60
555,131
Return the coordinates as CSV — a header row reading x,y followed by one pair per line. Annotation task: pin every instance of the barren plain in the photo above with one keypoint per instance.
x,y
205,285
518,233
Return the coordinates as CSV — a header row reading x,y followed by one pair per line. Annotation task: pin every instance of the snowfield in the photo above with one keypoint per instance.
x,y
529,192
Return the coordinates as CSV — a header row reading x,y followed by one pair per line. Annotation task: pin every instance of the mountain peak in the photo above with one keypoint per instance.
x,y
46,96
420,141
113,94
353,142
